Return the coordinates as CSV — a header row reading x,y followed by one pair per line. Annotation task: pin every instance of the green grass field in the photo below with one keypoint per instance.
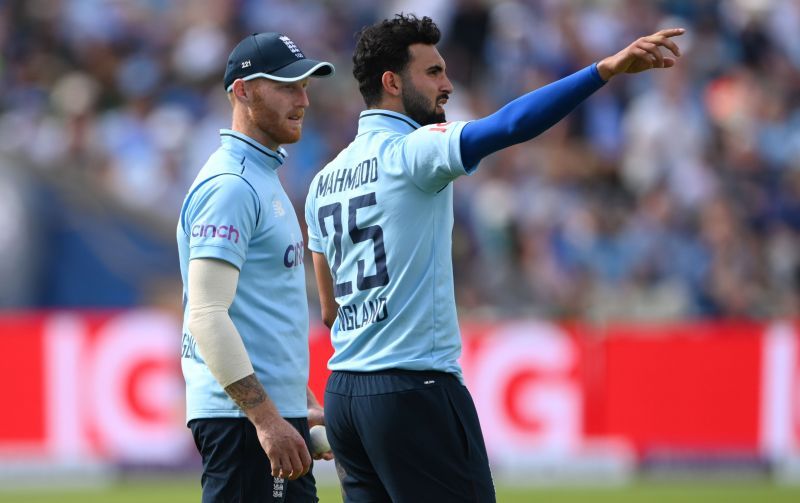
x,y
694,492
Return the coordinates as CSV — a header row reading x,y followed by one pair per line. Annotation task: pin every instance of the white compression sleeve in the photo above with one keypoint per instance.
x,y
212,286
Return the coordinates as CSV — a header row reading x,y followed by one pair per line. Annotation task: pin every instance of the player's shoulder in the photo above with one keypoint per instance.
x,y
225,167
224,161
396,145
219,189
437,130
223,176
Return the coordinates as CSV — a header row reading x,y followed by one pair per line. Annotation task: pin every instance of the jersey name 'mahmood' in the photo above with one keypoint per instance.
x,y
349,178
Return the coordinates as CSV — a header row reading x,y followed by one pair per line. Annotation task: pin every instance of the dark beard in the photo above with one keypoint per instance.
x,y
417,106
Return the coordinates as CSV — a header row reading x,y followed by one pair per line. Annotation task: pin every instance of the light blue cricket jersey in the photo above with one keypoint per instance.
x,y
382,214
237,211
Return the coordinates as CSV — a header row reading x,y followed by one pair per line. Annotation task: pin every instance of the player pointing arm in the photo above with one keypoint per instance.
x,y
400,421
535,112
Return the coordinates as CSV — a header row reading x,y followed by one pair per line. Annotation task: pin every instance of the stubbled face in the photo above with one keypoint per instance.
x,y
277,109
425,85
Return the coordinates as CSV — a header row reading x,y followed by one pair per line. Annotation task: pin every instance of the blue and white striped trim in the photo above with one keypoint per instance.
x,y
261,75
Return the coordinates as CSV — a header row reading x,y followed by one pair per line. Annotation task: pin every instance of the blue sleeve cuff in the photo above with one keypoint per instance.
x,y
596,73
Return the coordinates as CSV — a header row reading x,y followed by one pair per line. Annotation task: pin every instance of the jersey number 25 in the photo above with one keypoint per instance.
x,y
357,235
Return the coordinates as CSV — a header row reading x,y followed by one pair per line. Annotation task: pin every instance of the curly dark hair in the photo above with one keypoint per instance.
x,y
384,47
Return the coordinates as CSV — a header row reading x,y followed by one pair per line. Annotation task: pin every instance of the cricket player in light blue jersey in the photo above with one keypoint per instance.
x,y
380,217
245,333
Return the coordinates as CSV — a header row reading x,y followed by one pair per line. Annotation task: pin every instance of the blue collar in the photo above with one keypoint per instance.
x,y
371,120
242,144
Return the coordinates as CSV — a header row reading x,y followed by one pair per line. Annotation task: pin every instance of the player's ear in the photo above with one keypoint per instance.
x,y
239,90
391,83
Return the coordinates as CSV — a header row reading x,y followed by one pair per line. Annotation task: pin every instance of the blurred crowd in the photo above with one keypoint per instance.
x,y
668,195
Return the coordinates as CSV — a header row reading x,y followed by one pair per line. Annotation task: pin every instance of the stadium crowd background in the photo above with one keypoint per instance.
x,y
668,195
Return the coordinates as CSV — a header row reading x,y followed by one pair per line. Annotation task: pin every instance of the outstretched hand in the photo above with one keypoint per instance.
x,y
643,54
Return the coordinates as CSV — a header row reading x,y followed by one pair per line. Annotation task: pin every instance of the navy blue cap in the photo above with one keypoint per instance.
x,y
272,56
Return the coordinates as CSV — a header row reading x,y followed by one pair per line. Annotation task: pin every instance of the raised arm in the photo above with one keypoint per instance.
x,y
535,112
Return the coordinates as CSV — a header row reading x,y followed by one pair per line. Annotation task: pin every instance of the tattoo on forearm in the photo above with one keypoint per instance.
x,y
247,392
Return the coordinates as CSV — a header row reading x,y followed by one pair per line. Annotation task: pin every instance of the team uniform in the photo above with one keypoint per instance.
x,y
237,211
400,421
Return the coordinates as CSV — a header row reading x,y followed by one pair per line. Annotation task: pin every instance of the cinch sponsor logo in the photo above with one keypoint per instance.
x,y
216,231
293,256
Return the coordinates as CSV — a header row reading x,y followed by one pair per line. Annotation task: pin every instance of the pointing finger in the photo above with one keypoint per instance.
x,y
671,32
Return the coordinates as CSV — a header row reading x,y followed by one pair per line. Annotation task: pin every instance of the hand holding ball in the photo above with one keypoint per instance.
x,y
319,440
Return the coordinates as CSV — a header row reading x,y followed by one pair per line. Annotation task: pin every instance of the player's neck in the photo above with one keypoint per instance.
x,y
247,128
392,104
